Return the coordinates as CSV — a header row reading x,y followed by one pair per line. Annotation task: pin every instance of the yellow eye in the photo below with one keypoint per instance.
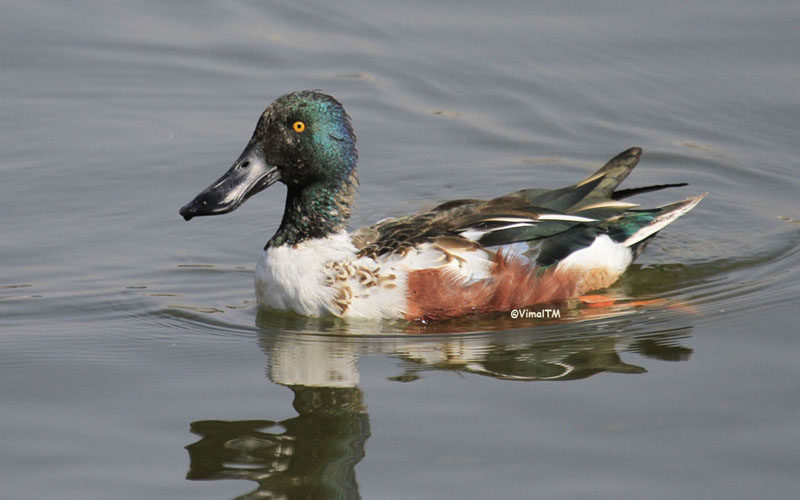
x,y
298,127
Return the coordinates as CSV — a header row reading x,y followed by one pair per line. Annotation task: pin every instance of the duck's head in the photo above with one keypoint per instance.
x,y
302,139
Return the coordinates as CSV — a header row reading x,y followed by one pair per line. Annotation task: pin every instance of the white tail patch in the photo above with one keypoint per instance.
x,y
663,220
602,253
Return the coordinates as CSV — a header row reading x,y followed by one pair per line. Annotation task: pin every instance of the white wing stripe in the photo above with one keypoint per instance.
x,y
571,218
510,219
512,226
472,234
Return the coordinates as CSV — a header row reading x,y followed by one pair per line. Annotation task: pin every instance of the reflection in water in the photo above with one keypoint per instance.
x,y
563,359
314,454
545,361
310,456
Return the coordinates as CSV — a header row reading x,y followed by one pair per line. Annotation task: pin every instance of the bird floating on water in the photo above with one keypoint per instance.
x,y
467,256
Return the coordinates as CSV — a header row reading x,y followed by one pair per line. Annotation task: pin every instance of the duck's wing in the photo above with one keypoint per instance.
x,y
491,228
474,222
396,235
598,186
578,212
534,214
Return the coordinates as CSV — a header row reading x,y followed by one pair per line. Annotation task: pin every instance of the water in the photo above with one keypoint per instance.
x,y
135,364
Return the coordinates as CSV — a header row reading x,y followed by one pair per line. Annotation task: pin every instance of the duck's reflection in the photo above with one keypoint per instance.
x,y
563,359
310,456
314,454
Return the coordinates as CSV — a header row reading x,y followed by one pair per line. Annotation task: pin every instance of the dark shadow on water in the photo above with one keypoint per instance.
x,y
314,454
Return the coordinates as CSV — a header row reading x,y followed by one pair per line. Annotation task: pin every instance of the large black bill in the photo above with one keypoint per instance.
x,y
249,175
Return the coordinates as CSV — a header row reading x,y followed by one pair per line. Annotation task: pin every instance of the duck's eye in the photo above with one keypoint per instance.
x,y
298,127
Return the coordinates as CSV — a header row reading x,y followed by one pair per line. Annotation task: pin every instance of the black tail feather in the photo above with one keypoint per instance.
x,y
624,193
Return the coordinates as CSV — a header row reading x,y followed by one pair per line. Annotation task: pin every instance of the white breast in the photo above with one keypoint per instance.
x,y
292,277
325,276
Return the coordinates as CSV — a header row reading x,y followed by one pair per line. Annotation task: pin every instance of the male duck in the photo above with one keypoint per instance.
x,y
465,256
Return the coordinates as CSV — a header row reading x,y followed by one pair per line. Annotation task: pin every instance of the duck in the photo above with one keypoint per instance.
x,y
468,256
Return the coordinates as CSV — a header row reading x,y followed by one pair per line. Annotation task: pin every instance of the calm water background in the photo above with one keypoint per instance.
x,y
134,362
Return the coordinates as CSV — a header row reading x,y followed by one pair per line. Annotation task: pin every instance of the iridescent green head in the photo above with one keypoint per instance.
x,y
308,136
305,140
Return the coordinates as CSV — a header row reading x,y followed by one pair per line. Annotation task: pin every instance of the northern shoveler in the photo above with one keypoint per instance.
x,y
464,256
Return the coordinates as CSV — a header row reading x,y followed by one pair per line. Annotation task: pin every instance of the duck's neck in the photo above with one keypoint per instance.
x,y
314,211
